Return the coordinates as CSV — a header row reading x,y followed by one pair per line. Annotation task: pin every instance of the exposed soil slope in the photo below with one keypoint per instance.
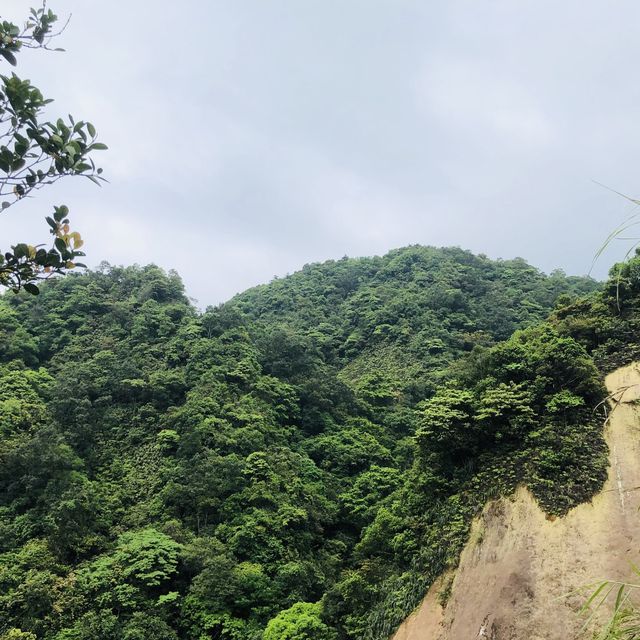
x,y
519,565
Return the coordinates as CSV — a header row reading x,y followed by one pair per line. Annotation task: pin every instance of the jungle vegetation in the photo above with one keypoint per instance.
x,y
298,463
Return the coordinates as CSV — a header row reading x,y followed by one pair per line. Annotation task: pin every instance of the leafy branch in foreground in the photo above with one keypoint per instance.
x,y
25,264
628,223
36,153
631,221
623,623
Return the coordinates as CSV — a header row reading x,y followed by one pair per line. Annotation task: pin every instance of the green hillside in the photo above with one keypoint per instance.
x,y
300,462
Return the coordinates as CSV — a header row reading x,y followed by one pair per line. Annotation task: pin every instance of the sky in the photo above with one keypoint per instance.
x,y
250,137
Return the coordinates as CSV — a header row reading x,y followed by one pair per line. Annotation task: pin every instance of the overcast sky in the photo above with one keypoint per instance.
x,y
249,137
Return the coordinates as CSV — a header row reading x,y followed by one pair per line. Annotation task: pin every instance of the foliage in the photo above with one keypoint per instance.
x,y
16,634
607,322
35,152
300,622
616,601
302,461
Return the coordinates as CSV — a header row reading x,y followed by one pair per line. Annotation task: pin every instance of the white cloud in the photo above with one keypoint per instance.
x,y
249,138
474,100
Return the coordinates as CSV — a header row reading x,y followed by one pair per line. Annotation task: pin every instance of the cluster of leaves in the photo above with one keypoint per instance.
x,y
21,267
612,608
607,322
36,33
234,475
34,153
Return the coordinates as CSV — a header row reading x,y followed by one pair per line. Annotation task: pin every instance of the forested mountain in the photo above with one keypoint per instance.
x,y
300,462
407,315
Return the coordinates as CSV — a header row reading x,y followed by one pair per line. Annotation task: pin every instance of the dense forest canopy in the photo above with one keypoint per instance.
x,y
300,462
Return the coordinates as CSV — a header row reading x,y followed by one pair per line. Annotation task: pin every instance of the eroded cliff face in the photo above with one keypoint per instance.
x,y
521,572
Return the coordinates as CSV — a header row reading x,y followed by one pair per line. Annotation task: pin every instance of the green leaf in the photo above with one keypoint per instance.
x,y
20,250
9,57
31,288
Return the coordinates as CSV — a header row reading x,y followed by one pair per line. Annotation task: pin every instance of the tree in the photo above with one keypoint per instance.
x,y
302,621
35,153
135,573
16,634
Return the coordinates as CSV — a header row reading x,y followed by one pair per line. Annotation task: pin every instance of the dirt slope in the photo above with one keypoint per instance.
x,y
518,564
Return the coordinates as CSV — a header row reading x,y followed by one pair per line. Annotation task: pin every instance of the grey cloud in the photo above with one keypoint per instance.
x,y
250,137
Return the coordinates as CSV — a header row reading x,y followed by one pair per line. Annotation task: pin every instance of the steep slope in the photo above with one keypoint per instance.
x,y
519,564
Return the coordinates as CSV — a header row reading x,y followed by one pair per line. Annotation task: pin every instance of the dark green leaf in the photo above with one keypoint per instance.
x,y
31,288
9,57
